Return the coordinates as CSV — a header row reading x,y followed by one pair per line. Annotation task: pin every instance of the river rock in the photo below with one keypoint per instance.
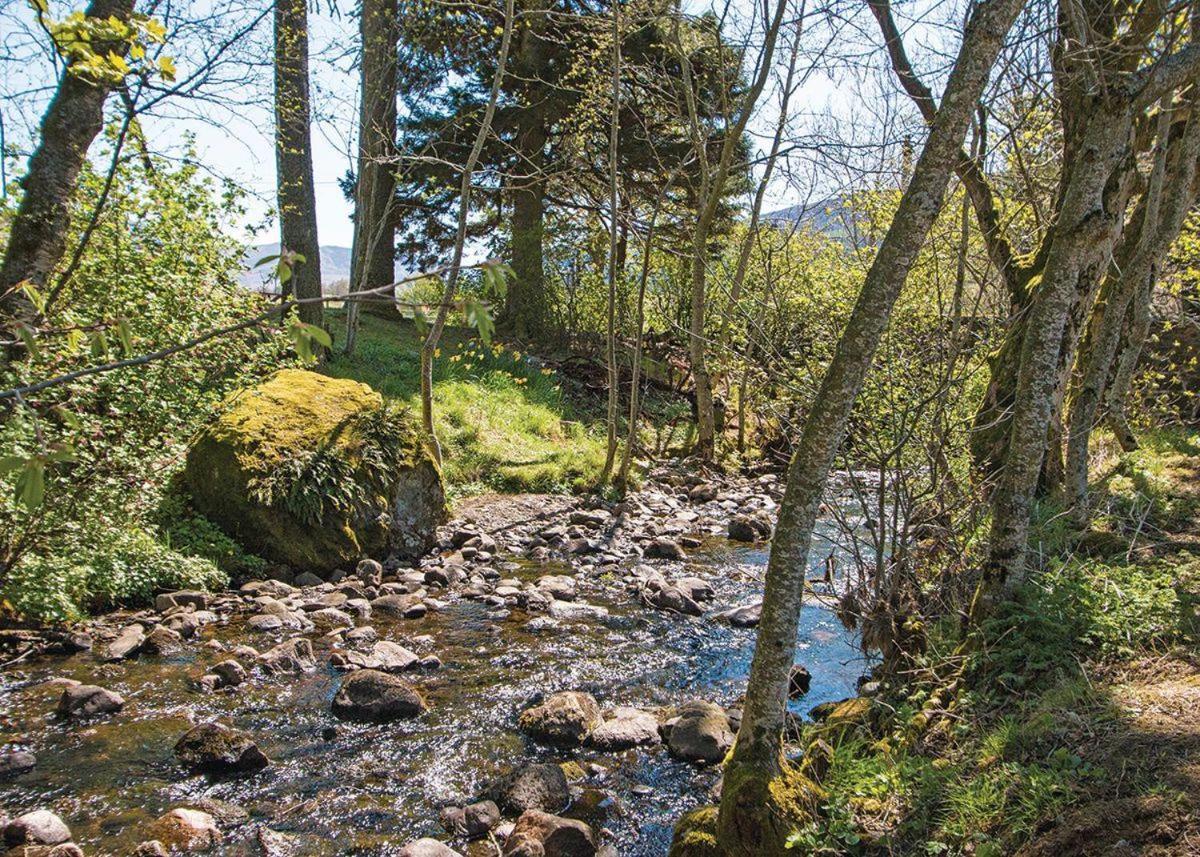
x,y
376,697
750,528
799,681
330,619
370,572
695,588
162,641
701,732
624,728
540,834
427,848
558,586
577,610
673,600
291,657
40,827
187,830
262,430
127,644
88,700
537,786
472,821
743,616
16,762
229,673
216,749
664,548
184,598
400,606
564,718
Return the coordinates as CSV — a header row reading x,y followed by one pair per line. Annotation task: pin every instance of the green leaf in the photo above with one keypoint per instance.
x,y
31,486
29,338
420,320
35,296
265,259
9,463
320,335
125,336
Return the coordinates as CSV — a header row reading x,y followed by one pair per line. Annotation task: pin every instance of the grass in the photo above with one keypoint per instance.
x,y
1046,718
501,415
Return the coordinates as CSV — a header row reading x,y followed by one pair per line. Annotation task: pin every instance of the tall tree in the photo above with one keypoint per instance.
x,y
38,234
373,254
293,158
748,822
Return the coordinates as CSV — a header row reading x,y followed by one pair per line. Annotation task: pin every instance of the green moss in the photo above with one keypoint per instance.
x,y
304,470
696,834
761,812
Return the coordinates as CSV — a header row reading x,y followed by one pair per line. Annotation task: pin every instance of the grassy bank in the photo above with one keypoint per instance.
x,y
501,415
1072,722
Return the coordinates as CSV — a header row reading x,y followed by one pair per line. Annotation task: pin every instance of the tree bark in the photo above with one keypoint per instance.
x,y
616,250
745,826
38,234
293,158
373,255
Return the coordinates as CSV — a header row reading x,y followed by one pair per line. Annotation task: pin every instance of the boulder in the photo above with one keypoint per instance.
x,y
672,599
625,728
186,830
274,435
40,827
216,749
564,718
229,673
744,616
162,641
370,572
400,606
799,681
538,786
184,598
540,834
701,732
88,700
376,697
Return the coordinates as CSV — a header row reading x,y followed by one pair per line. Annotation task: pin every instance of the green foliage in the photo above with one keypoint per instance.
x,y
499,413
159,269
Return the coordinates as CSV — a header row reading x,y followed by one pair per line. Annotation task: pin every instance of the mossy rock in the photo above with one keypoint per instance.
x,y
316,473
696,834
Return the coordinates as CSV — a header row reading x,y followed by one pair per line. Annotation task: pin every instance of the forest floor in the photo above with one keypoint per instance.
x,y
1071,724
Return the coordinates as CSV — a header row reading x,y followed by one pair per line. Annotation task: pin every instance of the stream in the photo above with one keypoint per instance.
x,y
343,788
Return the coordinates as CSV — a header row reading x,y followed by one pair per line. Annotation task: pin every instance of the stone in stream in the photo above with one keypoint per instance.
x,y
306,579
385,656
369,572
16,762
673,600
216,749
229,673
695,588
701,732
162,641
330,619
540,834
376,697
88,700
400,606
579,610
40,827
184,829
557,586
750,528
564,718
624,728
538,786
471,821
664,548
184,598
291,657
799,681
127,644
743,616
427,848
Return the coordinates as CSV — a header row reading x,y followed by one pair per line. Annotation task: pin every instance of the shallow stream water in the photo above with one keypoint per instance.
x,y
344,788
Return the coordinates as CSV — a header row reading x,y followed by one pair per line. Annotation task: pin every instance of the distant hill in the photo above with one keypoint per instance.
x,y
335,265
826,216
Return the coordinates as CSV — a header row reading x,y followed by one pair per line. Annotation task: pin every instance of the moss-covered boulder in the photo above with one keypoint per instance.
x,y
317,472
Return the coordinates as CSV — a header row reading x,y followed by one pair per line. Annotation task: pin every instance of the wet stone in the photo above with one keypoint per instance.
x,y
40,827
127,643
564,718
216,749
540,834
427,848
376,697
538,786
88,700
16,762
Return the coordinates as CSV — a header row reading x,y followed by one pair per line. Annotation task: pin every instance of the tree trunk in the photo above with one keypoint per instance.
x,y
373,256
293,158
38,234
746,825
616,251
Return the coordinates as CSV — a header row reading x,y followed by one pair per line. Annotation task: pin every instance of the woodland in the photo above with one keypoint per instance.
x,y
743,427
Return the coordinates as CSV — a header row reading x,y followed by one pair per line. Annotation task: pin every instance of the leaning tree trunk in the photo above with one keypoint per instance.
x,y
38,234
747,823
293,158
373,255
